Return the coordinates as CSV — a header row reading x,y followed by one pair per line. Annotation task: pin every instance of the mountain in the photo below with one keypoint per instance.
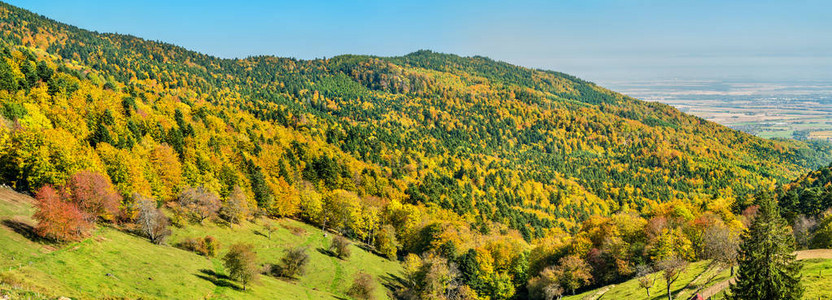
x,y
438,146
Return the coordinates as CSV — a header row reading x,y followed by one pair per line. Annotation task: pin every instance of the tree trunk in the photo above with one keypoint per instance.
x,y
648,292
669,296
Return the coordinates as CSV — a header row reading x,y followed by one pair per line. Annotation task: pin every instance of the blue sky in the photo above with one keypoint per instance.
x,y
604,41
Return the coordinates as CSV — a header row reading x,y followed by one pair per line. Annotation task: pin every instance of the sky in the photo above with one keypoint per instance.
x,y
601,41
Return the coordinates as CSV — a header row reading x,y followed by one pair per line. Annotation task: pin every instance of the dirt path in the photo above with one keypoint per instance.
x,y
814,253
802,254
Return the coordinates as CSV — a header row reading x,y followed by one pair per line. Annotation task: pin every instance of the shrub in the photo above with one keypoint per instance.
x,y
340,246
207,246
362,287
293,263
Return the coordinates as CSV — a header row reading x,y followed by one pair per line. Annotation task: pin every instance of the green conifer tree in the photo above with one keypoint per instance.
x,y
767,267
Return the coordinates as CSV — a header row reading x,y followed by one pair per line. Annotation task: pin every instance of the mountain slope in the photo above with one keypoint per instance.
x,y
115,264
488,140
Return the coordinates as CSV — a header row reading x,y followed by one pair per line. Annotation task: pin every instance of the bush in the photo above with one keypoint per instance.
x,y
362,287
207,246
340,246
293,263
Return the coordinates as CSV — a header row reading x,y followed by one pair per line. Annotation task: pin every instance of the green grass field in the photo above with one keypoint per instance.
x,y
114,264
817,278
689,282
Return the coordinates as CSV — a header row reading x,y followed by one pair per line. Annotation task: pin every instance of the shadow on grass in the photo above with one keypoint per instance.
x,y
24,229
392,281
217,279
260,233
327,252
366,247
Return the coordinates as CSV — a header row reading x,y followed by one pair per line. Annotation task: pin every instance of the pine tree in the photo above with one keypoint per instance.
x,y
767,267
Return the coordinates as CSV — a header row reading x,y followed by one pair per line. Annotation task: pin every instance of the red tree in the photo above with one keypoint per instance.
x,y
58,219
95,195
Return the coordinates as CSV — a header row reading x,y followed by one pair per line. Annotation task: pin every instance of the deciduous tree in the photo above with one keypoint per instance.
x,y
199,203
241,263
58,219
94,194
151,220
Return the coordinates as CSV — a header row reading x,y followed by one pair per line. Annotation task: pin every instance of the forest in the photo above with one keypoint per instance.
x,y
484,179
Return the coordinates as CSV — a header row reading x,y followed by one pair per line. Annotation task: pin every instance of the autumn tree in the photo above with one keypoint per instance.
x,y
58,219
199,203
94,194
429,277
151,220
164,162
269,227
767,266
385,241
235,209
721,245
646,277
546,285
340,209
241,263
671,268
574,272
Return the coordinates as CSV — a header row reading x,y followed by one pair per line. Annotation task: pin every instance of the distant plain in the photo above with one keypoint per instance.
x,y
800,110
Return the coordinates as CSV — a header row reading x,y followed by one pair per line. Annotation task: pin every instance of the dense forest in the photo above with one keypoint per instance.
x,y
506,176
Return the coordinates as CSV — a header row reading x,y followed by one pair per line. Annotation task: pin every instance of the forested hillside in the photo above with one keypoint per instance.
x,y
468,159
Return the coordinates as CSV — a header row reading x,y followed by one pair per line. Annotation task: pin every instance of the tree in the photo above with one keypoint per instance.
x,y
671,268
241,263
803,228
58,219
340,246
546,285
294,262
95,195
235,209
164,162
646,277
721,245
199,203
152,222
822,237
269,227
767,267
574,272
385,241
363,287
340,209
